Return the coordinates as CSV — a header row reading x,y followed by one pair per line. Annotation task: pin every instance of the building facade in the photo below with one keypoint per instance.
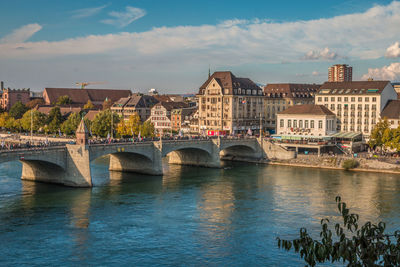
x,y
392,113
161,116
306,120
340,73
180,119
137,103
229,105
280,96
8,97
357,105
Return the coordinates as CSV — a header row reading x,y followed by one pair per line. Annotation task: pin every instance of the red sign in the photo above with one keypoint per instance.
x,y
215,133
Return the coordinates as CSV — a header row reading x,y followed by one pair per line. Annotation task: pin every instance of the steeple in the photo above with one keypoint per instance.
x,y
209,71
82,134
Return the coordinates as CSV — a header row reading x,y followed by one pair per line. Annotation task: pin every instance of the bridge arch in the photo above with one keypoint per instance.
x,y
246,149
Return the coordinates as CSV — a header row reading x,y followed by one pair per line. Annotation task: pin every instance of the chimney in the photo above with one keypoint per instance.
x,y
2,85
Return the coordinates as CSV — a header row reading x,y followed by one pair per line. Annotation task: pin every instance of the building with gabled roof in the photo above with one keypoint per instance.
x,y
392,113
136,103
229,104
358,104
161,115
280,96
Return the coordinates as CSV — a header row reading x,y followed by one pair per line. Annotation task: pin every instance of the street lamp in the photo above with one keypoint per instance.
x,y
31,126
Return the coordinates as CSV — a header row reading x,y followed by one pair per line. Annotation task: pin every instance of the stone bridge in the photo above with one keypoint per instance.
x,y
70,164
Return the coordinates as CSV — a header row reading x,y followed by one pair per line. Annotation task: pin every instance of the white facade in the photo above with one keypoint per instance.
x,y
306,124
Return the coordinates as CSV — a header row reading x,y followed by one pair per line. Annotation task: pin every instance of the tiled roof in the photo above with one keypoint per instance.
x,y
172,105
391,110
290,90
91,114
81,96
227,80
355,87
307,109
64,110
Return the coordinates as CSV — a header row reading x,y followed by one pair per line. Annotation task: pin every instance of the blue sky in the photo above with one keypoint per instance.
x,y
170,44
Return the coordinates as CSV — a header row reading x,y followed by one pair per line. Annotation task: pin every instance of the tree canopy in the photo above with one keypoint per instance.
x,y
33,103
107,104
101,124
18,110
64,100
71,124
349,243
88,105
385,137
38,119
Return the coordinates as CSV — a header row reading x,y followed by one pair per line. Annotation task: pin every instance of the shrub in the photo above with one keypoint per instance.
x,y
350,164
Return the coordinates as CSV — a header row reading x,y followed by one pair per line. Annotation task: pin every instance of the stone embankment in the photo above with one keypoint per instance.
x,y
336,162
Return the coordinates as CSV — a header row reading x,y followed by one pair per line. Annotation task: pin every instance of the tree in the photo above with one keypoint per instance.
x,y
394,142
54,120
71,124
88,105
376,138
107,104
134,124
39,120
147,129
33,103
122,130
367,245
63,100
3,119
101,124
18,110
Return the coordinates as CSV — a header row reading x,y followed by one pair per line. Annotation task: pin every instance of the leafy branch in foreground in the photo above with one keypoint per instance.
x,y
355,246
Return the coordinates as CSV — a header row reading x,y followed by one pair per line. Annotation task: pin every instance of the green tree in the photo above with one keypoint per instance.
x,y
367,245
133,124
63,100
147,129
394,142
101,124
18,110
88,105
3,119
71,124
33,103
54,120
39,120
376,138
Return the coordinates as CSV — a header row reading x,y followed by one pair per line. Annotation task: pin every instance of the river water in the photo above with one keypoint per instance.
x,y
190,216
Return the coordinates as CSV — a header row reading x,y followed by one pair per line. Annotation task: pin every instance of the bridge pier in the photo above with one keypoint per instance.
x,y
127,162
77,171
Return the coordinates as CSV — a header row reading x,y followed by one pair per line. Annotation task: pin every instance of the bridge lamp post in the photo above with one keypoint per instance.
x,y
112,122
31,126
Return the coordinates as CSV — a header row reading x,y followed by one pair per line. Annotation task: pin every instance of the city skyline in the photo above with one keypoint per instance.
x,y
139,45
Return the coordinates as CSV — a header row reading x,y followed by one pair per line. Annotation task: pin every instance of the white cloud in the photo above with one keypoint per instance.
x,y
316,73
183,49
122,19
22,34
391,72
393,51
325,54
87,12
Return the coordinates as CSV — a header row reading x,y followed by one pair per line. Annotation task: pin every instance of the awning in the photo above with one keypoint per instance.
x,y
300,137
347,135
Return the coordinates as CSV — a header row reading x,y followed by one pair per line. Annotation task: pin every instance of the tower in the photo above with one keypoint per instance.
x,y
82,134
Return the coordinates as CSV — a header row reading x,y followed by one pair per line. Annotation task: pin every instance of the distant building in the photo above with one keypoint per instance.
x,y
80,97
340,73
180,119
229,105
161,115
65,111
8,97
137,103
392,113
194,122
306,120
357,105
280,96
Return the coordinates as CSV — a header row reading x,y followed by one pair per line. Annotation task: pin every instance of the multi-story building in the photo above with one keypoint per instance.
x,y
8,97
306,120
340,73
137,103
161,116
180,118
280,96
392,113
229,105
357,105
396,87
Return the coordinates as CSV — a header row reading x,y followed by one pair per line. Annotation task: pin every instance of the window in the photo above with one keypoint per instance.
x,y
326,99
366,99
319,99
312,124
333,99
346,99
353,99
374,99
360,99
339,99
332,106
289,123
319,124
300,123
281,123
295,123
306,124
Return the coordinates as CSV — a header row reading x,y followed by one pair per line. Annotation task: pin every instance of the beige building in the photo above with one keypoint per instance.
x,y
280,96
137,103
229,105
357,105
306,120
161,116
340,73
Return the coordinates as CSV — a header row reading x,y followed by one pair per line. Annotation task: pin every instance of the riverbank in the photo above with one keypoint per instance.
x,y
335,163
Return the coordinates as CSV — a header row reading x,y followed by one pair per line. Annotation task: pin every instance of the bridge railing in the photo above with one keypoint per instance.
x,y
31,149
